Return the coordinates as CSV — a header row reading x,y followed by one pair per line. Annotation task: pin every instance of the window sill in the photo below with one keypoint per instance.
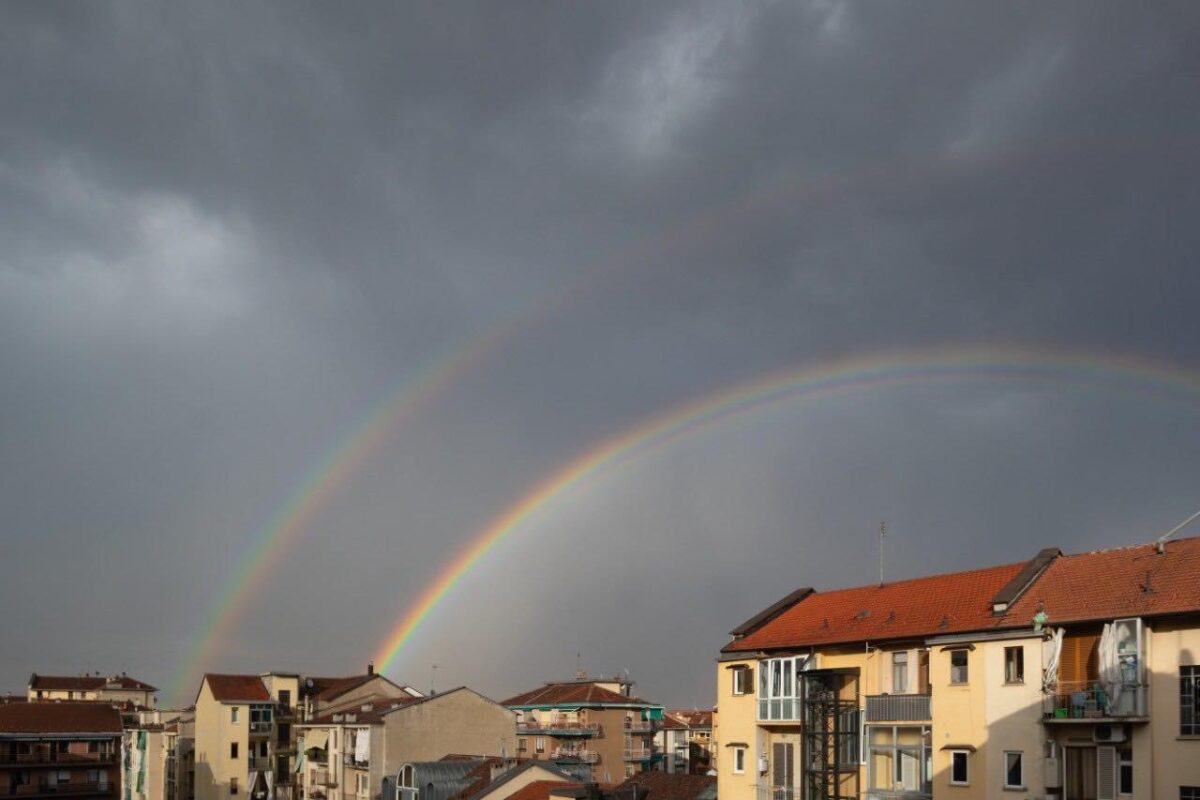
x,y
1015,683
1015,788
1188,737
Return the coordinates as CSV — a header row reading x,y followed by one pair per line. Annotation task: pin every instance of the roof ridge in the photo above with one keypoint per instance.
x,y
919,578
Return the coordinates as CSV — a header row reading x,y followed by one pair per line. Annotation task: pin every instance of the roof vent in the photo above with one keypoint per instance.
x,y
1147,588
866,612
825,623
891,616
945,623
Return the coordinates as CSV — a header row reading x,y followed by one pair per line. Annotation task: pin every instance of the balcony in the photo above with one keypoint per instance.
x,y
766,792
349,760
1088,701
260,728
639,726
575,754
284,712
323,778
38,757
61,789
898,708
641,753
557,727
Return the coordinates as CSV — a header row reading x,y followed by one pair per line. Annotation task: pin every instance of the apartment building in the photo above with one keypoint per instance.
x,y
348,750
589,721
321,695
244,738
696,740
61,749
150,759
671,739
1075,677
112,688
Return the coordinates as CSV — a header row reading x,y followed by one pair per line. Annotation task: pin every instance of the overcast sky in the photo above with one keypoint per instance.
x,y
229,231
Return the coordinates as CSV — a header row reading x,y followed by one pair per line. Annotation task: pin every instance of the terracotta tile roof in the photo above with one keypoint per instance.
x,y
237,688
670,722
695,718
379,706
1107,584
667,786
18,718
62,683
540,790
573,694
939,604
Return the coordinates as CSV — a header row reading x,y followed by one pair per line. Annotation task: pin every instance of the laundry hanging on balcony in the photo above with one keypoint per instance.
x,y
1051,656
362,746
1110,664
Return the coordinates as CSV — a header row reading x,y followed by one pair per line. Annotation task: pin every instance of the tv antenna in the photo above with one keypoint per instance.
x,y
882,534
1162,540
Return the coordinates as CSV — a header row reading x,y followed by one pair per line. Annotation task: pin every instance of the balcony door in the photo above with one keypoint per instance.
x,y
1079,779
783,771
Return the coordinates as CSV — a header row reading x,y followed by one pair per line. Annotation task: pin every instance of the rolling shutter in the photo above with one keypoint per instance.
x,y
1106,773
1079,659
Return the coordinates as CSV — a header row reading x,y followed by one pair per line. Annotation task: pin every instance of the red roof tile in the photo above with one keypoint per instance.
x,y
59,718
1107,584
573,694
694,718
540,790
939,604
237,688
79,683
667,786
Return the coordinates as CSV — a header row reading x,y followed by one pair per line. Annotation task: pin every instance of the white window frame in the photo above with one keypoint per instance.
x,y
1125,759
739,758
233,715
966,754
741,680
1020,754
900,661
788,698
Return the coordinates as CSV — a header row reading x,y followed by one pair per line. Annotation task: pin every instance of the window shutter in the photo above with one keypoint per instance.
x,y
748,678
1106,773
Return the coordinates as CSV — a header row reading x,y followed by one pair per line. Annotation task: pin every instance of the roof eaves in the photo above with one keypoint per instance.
x,y
771,612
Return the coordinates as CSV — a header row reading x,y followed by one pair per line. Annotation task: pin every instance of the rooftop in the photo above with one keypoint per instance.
x,y
59,718
575,694
63,683
237,688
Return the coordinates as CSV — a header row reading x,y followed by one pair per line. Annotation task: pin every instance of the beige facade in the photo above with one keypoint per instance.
x,y
152,755
114,689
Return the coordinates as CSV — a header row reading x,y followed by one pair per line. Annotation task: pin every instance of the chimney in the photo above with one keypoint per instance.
x,y
370,667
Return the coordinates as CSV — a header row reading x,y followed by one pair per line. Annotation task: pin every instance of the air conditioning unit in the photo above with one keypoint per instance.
x,y
1106,734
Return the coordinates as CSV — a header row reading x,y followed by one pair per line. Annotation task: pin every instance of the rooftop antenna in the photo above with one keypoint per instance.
x,y
1162,540
882,533
432,679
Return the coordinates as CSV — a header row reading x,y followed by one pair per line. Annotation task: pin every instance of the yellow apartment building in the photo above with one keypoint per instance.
x,y
112,688
1073,677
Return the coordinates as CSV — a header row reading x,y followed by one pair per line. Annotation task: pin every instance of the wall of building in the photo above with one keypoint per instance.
x,y
959,718
1174,759
215,732
736,723
456,722
1012,716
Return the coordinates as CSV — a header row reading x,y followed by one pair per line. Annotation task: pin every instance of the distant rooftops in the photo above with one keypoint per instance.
x,y
64,719
575,693
87,683
237,688
1102,584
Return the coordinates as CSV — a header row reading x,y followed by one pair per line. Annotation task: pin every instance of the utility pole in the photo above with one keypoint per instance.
x,y
882,533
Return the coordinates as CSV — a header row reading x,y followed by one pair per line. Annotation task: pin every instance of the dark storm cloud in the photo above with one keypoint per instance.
x,y
227,232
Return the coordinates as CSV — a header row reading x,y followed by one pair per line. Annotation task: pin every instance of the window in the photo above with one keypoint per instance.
x,y
1189,701
959,776
1125,771
233,785
539,744
900,672
233,749
522,745
262,748
958,666
742,680
1014,770
1014,664
1189,793
779,687
739,761
285,697
233,715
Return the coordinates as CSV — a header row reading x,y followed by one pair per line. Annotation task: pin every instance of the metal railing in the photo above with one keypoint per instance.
x,y
60,789
558,727
768,792
260,727
575,754
1090,700
639,726
349,761
640,753
898,708
47,757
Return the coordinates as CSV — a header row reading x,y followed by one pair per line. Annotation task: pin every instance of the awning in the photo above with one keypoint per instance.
x,y
968,747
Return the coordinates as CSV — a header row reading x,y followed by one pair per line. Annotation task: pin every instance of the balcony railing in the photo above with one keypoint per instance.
x,y
640,754
766,792
1090,700
47,757
324,778
260,728
639,726
558,727
284,712
573,754
898,708
349,760
60,789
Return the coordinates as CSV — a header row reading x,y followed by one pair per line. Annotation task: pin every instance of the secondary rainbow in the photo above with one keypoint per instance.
x,y
761,393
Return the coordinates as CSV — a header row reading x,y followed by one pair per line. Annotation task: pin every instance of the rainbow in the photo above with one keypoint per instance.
x,y
817,380
345,459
